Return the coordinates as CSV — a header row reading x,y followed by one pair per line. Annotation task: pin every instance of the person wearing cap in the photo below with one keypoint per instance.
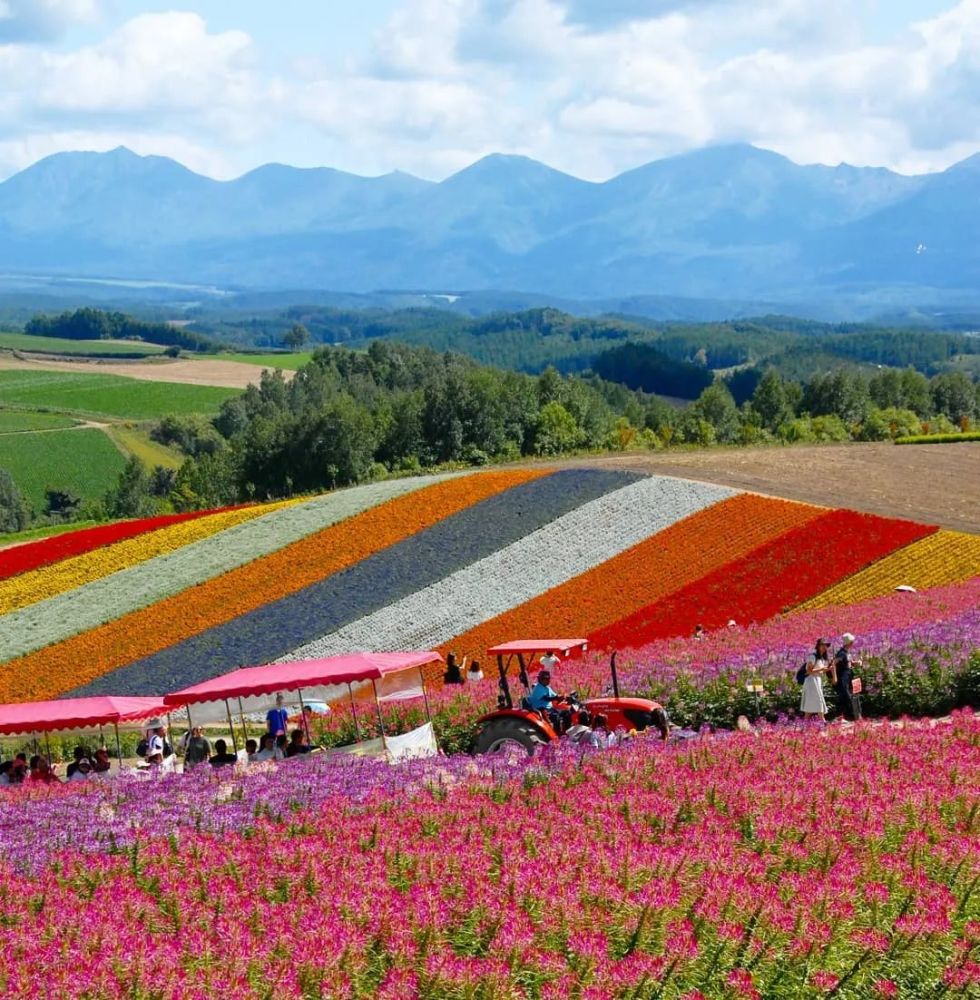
x,y
844,663
75,770
542,700
156,744
818,664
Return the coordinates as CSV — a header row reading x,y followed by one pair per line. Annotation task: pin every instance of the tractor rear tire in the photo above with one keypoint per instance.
x,y
497,735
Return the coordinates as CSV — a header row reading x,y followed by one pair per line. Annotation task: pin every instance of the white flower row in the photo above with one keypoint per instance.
x,y
104,600
573,544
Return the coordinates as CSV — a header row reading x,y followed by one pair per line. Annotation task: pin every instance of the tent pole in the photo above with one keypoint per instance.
x,y
241,715
425,696
353,711
231,726
381,721
170,729
115,726
302,716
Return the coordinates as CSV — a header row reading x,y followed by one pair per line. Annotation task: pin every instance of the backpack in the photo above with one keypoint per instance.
x,y
801,673
168,750
142,747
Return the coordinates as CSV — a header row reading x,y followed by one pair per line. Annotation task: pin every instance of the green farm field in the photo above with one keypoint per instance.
x,y
106,396
18,421
84,461
77,348
137,442
288,362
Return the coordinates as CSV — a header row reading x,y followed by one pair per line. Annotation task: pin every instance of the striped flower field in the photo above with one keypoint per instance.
x,y
458,561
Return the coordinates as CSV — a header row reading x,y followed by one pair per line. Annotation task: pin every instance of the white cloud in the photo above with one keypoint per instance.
x,y
592,88
30,20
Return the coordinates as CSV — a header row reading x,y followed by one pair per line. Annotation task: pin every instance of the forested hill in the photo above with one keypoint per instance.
x,y
533,339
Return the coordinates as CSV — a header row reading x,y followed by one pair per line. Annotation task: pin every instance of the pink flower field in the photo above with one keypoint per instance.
x,y
799,862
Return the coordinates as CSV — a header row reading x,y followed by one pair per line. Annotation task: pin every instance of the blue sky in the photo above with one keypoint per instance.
x,y
593,87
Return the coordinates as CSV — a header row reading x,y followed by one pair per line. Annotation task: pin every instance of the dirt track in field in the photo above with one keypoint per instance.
x,y
936,484
225,374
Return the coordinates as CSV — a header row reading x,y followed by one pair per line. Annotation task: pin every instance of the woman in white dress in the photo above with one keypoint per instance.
x,y
819,664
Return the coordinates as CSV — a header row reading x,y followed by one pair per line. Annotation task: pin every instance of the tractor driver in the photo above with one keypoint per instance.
x,y
542,700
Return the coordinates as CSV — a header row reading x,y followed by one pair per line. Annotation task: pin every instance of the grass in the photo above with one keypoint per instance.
x,y
78,348
112,396
84,461
13,421
151,453
47,531
290,362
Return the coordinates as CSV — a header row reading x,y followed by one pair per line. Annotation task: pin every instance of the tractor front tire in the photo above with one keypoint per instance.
x,y
497,735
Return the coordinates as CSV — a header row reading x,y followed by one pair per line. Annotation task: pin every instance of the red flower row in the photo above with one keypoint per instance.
x,y
33,555
774,577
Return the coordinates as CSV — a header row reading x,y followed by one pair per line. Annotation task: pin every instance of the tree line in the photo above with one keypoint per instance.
x,y
97,324
350,416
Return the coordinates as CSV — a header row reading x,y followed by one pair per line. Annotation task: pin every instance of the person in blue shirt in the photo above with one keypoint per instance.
x,y
542,700
277,718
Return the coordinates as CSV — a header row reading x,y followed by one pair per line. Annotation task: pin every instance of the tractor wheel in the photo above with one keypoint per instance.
x,y
508,734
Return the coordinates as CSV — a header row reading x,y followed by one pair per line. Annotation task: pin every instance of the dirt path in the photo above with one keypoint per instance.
x,y
937,484
80,426
189,371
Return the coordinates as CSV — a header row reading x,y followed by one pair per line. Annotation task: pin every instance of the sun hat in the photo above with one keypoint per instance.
x,y
731,623
847,637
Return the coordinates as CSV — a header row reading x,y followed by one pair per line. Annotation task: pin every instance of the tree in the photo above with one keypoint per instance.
x,y
769,401
132,496
296,336
954,394
14,513
61,504
556,431
716,407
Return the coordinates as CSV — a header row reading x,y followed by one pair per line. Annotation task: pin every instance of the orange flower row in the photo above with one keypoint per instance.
x,y
644,574
66,665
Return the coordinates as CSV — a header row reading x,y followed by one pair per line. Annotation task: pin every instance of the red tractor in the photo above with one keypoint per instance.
x,y
520,726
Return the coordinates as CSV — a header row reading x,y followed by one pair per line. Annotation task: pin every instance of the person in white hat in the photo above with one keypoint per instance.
x,y
844,663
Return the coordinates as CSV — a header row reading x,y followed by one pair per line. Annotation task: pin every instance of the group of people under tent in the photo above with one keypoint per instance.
x,y
38,767
277,743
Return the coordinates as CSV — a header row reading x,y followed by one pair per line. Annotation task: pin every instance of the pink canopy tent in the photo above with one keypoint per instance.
x,y
76,713
345,669
325,679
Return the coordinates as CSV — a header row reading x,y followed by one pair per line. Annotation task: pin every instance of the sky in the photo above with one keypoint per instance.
x,y
591,87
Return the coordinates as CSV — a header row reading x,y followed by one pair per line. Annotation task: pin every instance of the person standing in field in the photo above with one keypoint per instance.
x,y
277,719
549,661
844,663
198,749
819,664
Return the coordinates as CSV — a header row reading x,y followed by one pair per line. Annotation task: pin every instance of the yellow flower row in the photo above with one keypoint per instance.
x,y
942,558
49,581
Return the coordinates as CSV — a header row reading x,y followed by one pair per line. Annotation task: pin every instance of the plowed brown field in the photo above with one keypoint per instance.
x,y
936,484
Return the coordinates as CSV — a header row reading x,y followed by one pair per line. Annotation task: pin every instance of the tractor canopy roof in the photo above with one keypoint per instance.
x,y
565,647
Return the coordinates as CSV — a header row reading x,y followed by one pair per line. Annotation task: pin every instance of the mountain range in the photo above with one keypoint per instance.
x,y
723,222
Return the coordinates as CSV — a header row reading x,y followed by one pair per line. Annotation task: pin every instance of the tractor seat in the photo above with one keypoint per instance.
x,y
526,705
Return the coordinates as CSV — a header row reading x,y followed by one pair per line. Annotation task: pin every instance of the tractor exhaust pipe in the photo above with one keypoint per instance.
x,y
615,676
